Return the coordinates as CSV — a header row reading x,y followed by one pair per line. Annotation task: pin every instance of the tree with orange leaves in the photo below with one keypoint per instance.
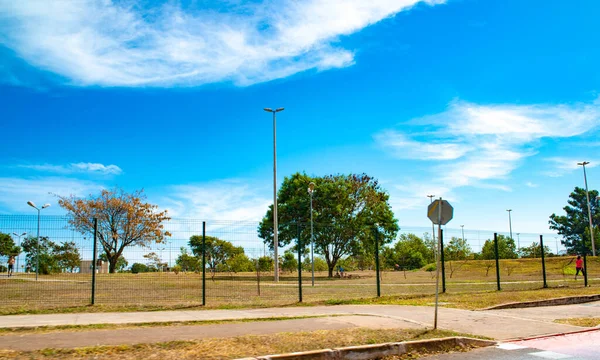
x,y
123,220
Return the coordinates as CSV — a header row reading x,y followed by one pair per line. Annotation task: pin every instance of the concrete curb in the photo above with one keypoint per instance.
x,y
569,300
551,335
365,352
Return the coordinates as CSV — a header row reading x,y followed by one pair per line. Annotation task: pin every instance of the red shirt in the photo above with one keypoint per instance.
x,y
579,263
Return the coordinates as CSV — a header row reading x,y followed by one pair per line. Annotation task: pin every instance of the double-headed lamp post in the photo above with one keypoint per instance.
x,y
37,252
311,190
19,244
275,224
587,194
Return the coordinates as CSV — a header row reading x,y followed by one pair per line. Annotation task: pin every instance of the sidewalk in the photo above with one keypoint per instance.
x,y
496,324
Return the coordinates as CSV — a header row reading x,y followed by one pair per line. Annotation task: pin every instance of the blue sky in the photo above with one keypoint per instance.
x,y
489,104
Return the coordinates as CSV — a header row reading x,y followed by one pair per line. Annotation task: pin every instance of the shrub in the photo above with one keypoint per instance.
x,y
139,268
176,269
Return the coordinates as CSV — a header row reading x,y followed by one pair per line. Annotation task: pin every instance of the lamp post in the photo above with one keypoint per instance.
x,y
275,225
518,241
510,223
37,252
311,190
587,194
462,228
19,244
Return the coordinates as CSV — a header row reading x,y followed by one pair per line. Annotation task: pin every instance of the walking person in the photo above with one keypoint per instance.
x,y
579,266
11,265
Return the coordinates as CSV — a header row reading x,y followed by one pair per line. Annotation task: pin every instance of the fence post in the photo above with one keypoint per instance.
x,y
377,261
543,261
94,260
585,269
204,263
497,261
442,258
299,263
258,276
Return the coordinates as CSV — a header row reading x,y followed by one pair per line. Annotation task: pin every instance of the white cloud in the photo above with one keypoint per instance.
x,y
77,168
563,165
480,145
15,192
110,43
531,185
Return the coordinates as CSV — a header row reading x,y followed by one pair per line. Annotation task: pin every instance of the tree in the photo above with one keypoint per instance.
x,y
457,249
139,268
240,263
217,251
346,209
534,251
410,252
320,264
67,256
506,249
155,262
572,226
7,246
48,263
121,262
289,262
188,262
123,220
265,263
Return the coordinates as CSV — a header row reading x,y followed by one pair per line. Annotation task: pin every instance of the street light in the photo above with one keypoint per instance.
x,y
587,194
462,227
37,252
518,241
311,190
510,223
19,244
275,225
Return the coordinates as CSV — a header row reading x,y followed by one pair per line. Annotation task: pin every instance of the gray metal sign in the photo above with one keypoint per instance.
x,y
433,212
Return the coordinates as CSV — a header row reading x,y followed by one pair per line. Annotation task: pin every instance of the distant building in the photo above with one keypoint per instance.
x,y
86,267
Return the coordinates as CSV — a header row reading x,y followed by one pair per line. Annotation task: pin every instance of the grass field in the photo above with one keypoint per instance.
x,y
22,293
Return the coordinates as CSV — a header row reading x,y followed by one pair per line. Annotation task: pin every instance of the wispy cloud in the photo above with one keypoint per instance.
x,y
480,145
563,165
531,185
81,167
219,200
15,192
121,43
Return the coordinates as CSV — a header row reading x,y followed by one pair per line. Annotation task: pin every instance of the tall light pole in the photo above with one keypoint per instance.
x,y
587,194
510,223
275,225
37,252
462,227
311,190
432,225
518,241
19,244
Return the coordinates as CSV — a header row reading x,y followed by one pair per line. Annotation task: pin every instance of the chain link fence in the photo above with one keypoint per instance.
x,y
226,263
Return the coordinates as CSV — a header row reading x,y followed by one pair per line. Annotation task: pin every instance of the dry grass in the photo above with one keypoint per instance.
x,y
160,291
583,322
237,347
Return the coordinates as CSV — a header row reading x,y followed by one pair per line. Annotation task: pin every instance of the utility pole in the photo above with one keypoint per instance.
x,y
587,194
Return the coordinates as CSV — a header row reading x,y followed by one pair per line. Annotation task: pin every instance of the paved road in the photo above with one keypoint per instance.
x,y
582,346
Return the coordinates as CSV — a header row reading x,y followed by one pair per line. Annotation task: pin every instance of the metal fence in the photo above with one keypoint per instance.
x,y
171,272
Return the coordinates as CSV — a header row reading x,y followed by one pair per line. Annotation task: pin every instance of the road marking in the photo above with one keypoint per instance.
x,y
551,355
511,347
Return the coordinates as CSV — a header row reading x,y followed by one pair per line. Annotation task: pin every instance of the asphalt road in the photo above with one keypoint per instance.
x,y
583,346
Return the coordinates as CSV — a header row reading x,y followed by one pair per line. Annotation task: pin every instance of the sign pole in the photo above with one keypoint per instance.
x,y
437,265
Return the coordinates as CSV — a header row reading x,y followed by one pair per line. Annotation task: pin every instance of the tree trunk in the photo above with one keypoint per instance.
x,y
330,271
112,264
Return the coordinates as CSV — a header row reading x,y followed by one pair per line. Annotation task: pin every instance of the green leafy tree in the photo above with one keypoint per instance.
x,y
457,249
410,252
572,226
320,264
188,262
346,209
506,249
137,268
121,262
217,251
239,263
67,256
265,263
534,251
7,246
47,260
289,262
155,263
